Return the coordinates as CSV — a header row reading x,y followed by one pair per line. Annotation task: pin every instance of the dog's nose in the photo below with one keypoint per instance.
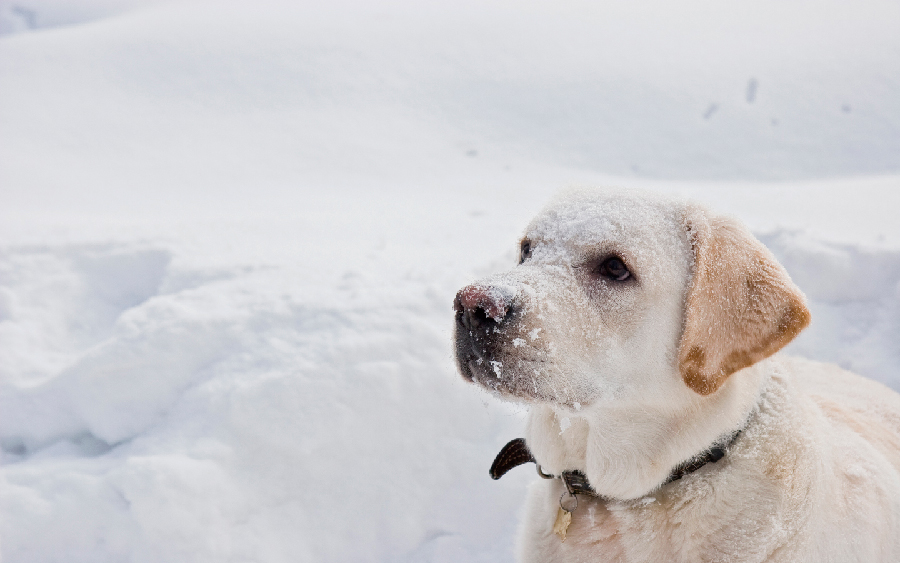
x,y
477,305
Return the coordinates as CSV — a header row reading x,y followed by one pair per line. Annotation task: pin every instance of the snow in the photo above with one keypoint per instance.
x,y
232,233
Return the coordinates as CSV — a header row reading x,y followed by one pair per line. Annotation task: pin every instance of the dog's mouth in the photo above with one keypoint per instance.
x,y
494,371
518,374
508,382
511,375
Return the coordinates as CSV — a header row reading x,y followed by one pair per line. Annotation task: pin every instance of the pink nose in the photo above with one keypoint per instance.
x,y
477,303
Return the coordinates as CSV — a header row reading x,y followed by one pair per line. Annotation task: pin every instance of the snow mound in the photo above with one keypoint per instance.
x,y
854,295
231,416
18,16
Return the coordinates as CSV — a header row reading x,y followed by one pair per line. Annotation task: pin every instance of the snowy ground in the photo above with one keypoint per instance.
x,y
231,232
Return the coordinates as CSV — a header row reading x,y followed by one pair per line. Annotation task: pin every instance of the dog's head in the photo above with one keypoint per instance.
x,y
622,296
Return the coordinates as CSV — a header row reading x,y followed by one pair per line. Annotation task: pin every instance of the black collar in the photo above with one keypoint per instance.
x,y
516,453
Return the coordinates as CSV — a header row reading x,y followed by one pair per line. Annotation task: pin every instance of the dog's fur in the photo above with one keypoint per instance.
x,y
626,379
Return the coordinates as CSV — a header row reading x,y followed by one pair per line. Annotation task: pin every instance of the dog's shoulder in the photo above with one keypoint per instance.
x,y
858,417
836,412
831,382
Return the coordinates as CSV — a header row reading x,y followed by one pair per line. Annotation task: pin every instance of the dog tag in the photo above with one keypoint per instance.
x,y
563,519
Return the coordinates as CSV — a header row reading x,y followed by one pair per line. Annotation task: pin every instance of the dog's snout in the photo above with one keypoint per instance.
x,y
477,306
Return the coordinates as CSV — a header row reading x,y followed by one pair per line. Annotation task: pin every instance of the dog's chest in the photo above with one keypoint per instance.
x,y
604,530
670,525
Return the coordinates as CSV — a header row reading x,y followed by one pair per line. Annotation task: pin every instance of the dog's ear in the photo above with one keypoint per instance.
x,y
741,307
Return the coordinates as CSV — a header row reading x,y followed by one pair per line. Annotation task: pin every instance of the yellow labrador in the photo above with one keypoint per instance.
x,y
640,332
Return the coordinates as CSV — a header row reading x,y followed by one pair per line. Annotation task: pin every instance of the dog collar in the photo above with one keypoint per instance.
x,y
516,453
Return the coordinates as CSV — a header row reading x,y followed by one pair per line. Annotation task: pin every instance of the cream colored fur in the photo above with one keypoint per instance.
x,y
627,380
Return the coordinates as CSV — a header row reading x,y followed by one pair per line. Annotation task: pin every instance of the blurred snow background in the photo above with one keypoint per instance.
x,y
230,234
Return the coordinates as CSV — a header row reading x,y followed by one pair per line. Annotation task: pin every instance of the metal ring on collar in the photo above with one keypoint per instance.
x,y
542,474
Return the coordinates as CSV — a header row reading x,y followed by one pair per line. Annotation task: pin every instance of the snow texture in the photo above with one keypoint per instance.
x,y
231,233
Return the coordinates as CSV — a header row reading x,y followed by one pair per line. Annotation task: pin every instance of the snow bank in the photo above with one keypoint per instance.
x,y
18,16
231,235
239,415
854,294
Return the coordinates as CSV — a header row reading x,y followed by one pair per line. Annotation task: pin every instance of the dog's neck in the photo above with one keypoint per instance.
x,y
628,451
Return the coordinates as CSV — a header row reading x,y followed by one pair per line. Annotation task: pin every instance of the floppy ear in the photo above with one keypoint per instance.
x,y
742,306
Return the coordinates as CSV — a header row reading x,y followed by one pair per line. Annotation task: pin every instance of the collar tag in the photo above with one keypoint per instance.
x,y
561,526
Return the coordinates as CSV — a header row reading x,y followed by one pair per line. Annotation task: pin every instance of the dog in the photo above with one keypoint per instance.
x,y
641,332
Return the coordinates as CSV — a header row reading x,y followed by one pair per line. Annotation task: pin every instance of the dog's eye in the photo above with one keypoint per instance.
x,y
524,251
614,268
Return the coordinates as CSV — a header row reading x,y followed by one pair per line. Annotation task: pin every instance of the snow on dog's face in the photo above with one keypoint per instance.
x,y
593,309
626,297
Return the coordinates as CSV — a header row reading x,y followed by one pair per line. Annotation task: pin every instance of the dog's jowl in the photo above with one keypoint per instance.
x,y
642,332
